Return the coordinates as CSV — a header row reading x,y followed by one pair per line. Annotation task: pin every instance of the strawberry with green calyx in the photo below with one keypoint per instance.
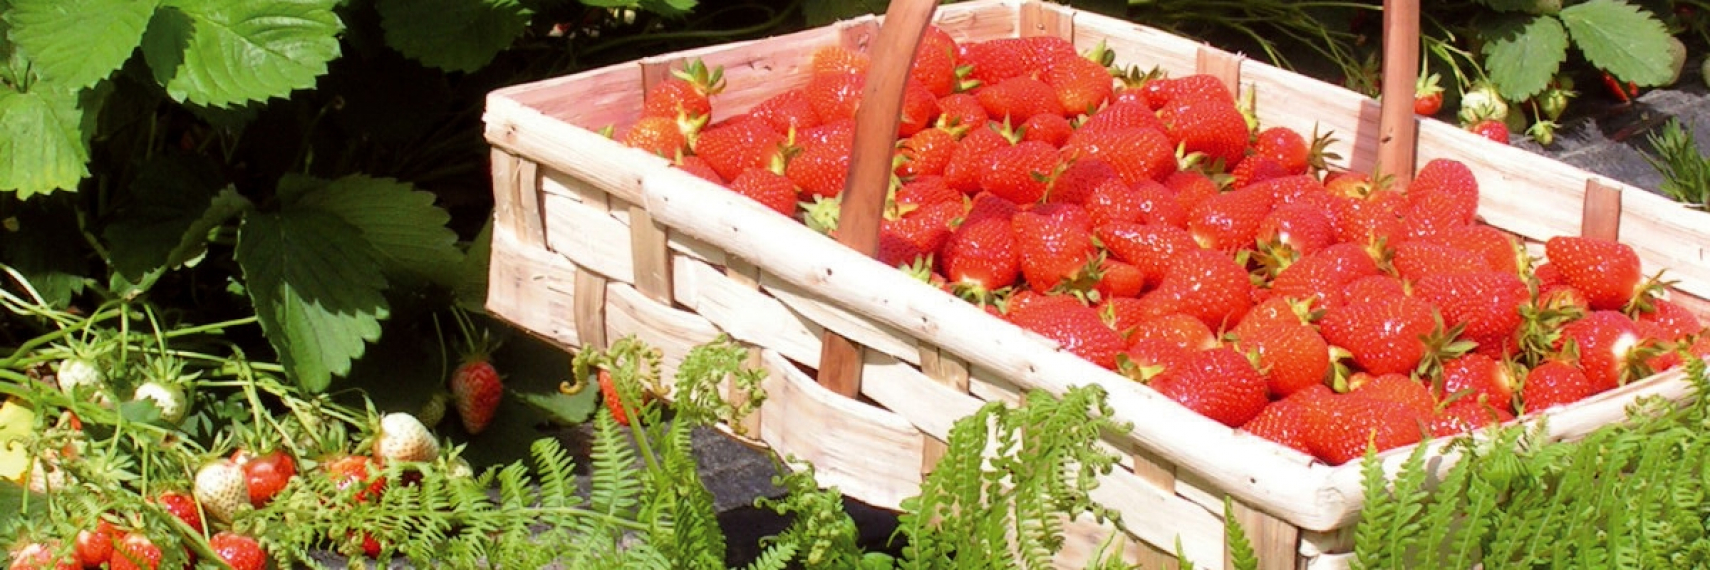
x,y
475,384
1494,130
1220,384
182,506
1606,271
1427,95
1077,328
1482,103
238,551
1554,383
266,472
167,388
402,438
687,93
135,551
94,546
222,489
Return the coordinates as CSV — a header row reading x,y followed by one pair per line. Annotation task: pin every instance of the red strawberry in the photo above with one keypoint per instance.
x,y
770,189
1123,313
95,546
1442,195
968,160
348,470
1017,99
1291,356
1207,125
962,110
1119,279
1047,128
1136,153
1055,243
980,256
1498,249
611,399
135,552
1082,83
1486,303
238,551
1254,169
1075,327
1605,342
1607,272
1219,384
1339,428
1399,388
659,135
820,169
685,94
1273,311
265,474
1078,180
919,109
1366,220
181,505
995,60
1183,330
1554,383
1208,285
918,233
1150,247
700,167
1466,415
1042,53
935,62
1156,203
737,145
1229,221
1491,129
1480,377
1020,173
834,96
1119,116
926,191
1160,92
787,111
476,389
1302,189
40,556
1676,322
1191,186
839,59
1284,421
1324,275
1385,336
1286,147
1427,95
926,152
1147,358
1294,230
840,133
1414,260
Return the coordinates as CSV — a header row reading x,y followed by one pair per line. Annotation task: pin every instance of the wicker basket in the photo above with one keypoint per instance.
x,y
594,241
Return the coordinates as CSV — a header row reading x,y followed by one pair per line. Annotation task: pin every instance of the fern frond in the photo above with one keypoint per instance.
x,y
1241,555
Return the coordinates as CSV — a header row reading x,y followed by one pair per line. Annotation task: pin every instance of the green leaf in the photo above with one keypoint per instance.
x,y
405,229
44,141
824,12
1620,38
1510,5
317,290
1522,54
454,35
172,207
560,408
75,43
218,53
669,8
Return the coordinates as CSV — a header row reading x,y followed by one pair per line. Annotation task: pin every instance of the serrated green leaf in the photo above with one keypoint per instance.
x,y
317,290
171,208
405,229
43,145
75,43
563,409
1522,54
218,53
1621,38
454,35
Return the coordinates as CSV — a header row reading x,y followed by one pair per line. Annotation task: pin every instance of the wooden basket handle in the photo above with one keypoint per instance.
x,y
1398,128
863,197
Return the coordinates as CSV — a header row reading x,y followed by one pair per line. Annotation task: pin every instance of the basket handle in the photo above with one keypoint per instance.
x,y
1398,128
863,197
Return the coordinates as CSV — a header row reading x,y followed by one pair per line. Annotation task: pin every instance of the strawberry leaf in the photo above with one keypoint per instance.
x,y
317,290
219,53
44,138
405,229
454,35
75,43
1620,38
176,200
1523,54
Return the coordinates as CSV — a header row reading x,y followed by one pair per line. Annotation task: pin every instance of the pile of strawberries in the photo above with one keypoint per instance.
x,y
1149,225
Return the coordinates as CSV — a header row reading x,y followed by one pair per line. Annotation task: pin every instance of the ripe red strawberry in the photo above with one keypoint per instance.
x,y
787,111
1119,279
926,152
348,470
1118,116
1055,243
1491,129
1274,311
1301,189
1047,128
1042,53
1162,91
1479,377
919,109
1339,428
968,160
1384,337
1291,356
1183,330
1323,275
1123,314
1605,342
700,167
1294,230
1020,173
1150,247
1078,180
1136,153
962,110
238,551
40,556
1147,358
1253,169
1466,415
1082,84
1191,186
265,474
908,237
820,170
834,95
1287,147
1155,202
181,505
1487,303
772,190
659,135
1676,322
995,60
840,133
610,398
980,257
1443,195
1018,99
1207,125
476,389
1075,327
1399,388
1284,421
1229,221
1414,260
737,145
1607,272
926,191
94,546
1208,285
686,93
935,62
135,552
838,59
1376,217
1554,383
1498,249
1427,95
1220,384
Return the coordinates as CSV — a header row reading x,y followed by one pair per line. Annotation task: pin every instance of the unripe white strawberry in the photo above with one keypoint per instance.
x,y
1480,103
221,489
402,437
169,398
79,374
458,467
45,474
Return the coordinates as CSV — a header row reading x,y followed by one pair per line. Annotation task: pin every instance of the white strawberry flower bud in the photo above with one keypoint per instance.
x,y
402,437
221,489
